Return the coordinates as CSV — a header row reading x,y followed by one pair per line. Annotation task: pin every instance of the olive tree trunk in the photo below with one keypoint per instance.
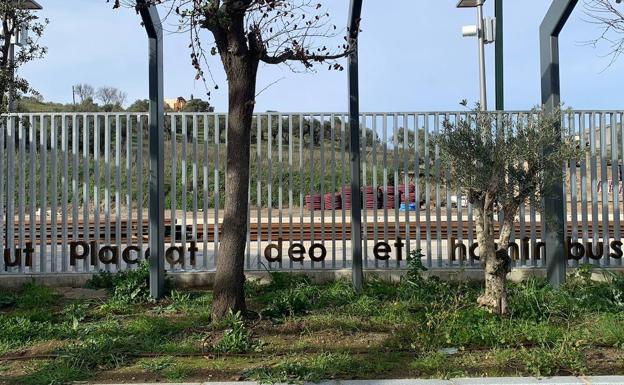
x,y
494,258
230,277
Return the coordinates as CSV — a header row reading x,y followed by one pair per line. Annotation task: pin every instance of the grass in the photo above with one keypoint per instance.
x,y
310,332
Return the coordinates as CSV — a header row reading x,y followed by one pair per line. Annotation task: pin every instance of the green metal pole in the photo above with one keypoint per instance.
x,y
499,57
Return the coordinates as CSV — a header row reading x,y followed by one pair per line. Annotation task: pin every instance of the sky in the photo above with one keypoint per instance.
x,y
412,58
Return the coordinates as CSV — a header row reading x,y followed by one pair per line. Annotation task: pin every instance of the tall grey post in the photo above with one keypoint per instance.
x,y
555,222
153,26
354,128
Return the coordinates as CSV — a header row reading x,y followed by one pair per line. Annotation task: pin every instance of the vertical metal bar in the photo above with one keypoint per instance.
x,y
10,223
217,201
107,182
375,183
44,188
140,181
333,188
281,179
301,179
584,183
312,178
22,189
248,242
270,177
573,188
290,184
322,187
605,189
75,177
195,182
129,184
64,187
343,146
438,192
4,124
428,193
118,234
97,200
406,182
417,180
184,186
364,142
86,140
32,138
385,179
206,203
594,182
615,177
259,161
174,182
395,158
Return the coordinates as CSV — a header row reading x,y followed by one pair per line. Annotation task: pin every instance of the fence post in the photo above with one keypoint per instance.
x,y
153,26
555,223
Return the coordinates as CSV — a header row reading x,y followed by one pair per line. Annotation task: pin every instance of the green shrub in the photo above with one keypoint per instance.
x,y
127,286
236,338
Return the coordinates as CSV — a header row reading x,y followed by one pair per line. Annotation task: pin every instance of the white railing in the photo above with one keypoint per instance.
x,y
73,192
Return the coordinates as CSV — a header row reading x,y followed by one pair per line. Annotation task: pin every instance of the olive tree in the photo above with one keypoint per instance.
x,y
499,164
243,34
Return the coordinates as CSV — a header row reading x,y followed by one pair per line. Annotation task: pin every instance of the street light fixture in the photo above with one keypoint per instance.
x,y
31,5
485,32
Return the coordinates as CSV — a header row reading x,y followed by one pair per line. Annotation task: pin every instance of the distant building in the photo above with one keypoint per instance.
x,y
175,104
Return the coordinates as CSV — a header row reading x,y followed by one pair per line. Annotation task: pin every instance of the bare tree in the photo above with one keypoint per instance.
x,y
244,34
84,91
609,16
111,96
16,22
502,164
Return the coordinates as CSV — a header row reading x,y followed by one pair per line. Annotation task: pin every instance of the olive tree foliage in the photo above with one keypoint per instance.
x,y
13,21
499,163
243,34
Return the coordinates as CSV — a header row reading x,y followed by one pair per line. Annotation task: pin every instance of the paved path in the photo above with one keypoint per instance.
x,y
606,380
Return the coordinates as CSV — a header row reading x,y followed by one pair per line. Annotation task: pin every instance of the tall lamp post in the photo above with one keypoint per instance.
x,y
485,32
153,27
554,226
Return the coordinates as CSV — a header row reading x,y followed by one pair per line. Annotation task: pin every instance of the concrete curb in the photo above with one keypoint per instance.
x,y
205,279
598,380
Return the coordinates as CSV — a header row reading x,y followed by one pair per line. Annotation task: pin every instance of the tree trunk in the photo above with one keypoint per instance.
x,y
230,277
495,262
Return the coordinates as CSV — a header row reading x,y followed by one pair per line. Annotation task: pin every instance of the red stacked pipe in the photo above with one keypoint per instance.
x,y
408,198
333,201
371,197
346,197
313,202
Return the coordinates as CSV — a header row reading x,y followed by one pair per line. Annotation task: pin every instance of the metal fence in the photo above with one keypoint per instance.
x,y
73,192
